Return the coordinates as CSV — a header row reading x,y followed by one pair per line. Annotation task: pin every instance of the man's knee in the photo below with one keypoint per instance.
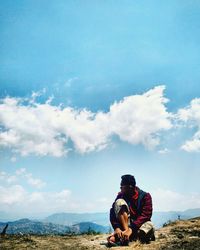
x,y
121,207
146,232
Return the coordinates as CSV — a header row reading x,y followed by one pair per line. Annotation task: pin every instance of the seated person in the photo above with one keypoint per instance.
x,y
130,214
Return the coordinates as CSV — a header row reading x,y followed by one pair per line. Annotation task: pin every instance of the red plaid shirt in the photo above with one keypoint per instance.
x,y
138,214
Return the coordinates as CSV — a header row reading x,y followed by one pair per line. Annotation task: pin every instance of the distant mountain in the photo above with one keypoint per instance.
x,y
69,219
25,226
190,213
61,223
182,234
89,227
158,218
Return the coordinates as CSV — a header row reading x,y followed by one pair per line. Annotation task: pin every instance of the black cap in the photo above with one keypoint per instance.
x,y
128,180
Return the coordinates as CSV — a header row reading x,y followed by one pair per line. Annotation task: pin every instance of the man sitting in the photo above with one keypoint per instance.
x,y
130,214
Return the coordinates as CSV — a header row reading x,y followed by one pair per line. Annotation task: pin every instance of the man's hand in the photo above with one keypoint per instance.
x,y
126,234
118,232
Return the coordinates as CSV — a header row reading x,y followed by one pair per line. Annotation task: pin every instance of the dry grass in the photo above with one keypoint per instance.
x,y
180,235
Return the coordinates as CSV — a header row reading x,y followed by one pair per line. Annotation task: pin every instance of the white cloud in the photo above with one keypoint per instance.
x,y
63,195
192,145
164,151
3,175
191,117
44,129
22,174
191,113
34,181
50,201
15,198
167,200
9,138
138,119
7,177
12,195
13,159
11,179
20,171
70,81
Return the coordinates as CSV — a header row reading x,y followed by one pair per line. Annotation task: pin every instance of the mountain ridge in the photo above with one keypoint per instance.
x,y
158,218
26,226
102,218
180,234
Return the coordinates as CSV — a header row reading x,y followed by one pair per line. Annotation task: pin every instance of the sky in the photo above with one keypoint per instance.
x,y
91,90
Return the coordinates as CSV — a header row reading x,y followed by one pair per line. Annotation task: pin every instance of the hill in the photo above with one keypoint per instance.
x,y
182,234
62,223
158,218
26,226
74,218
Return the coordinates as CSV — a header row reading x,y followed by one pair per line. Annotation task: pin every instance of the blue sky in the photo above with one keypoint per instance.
x,y
83,88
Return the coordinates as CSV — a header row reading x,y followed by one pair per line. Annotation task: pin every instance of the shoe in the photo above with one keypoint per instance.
x,y
124,242
113,242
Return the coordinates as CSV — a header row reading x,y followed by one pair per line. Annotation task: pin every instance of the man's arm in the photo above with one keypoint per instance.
x,y
146,212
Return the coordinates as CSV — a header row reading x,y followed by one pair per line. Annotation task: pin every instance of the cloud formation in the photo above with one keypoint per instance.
x,y
16,198
34,182
191,117
28,127
20,175
168,200
138,119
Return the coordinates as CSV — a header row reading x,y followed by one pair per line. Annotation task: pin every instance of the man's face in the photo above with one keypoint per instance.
x,y
127,190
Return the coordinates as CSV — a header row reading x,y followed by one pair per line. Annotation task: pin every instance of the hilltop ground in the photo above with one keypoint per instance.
x,y
176,235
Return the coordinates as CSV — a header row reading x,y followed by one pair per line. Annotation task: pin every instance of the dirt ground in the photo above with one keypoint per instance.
x,y
178,235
